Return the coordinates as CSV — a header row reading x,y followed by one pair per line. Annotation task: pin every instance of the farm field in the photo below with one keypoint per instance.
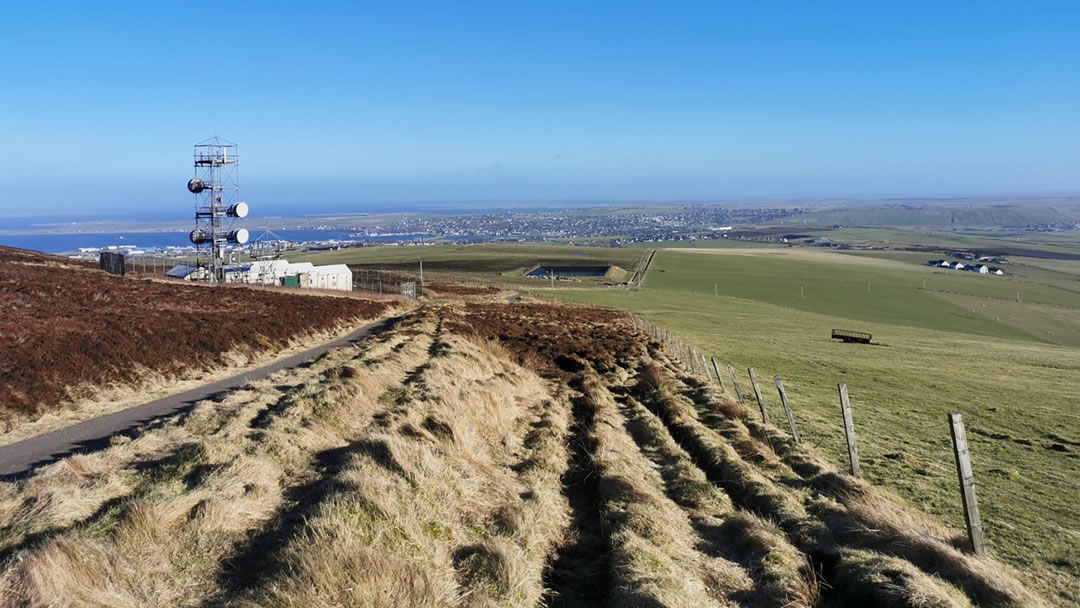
x,y
71,333
477,454
946,216
492,264
1016,391
865,288
1050,243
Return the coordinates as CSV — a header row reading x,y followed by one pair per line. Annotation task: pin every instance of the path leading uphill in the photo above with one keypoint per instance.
x,y
20,458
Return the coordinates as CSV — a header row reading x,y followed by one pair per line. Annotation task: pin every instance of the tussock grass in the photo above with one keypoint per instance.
x,y
871,579
654,559
154,531
429,466
828,515
431,511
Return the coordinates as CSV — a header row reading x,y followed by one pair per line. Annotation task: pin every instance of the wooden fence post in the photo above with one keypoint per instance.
x,y
735,383
967,483
758,396
849,431
719,378
787,409
705,366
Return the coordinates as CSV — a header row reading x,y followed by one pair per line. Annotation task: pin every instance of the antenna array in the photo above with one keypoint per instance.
x,y
216,187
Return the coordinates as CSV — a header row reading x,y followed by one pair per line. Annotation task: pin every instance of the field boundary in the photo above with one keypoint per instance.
x,y
642,270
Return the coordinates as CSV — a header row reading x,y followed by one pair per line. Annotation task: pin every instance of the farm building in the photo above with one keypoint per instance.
x,y
334,276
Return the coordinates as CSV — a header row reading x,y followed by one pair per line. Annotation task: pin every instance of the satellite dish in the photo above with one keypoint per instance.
x,y
239,236
238,210
199,237
196,186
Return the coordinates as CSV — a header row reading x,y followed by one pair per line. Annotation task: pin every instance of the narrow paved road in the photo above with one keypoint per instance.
x,y
19,459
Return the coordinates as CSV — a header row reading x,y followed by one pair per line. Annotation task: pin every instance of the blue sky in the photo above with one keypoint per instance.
x,y
356,106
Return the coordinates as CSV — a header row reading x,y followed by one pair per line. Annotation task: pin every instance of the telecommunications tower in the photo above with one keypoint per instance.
x,y
216,187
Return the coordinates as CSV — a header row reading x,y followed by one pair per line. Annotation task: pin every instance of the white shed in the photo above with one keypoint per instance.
x,y
270,272
335,276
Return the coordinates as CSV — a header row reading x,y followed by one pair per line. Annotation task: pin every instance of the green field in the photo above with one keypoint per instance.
x,y
946,216
934,355
1060,242
494,264
867,289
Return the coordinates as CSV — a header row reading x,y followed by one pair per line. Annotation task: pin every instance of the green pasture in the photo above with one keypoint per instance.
x,y
867,290
1060,242
932,356
946,216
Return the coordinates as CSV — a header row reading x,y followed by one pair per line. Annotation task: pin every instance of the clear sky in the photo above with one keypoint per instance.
x,y
354,106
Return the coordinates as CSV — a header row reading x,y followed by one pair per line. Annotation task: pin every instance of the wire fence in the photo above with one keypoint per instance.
x,y
924,446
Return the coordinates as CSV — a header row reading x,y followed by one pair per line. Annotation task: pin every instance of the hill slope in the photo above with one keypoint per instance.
x,y
476,455
69,330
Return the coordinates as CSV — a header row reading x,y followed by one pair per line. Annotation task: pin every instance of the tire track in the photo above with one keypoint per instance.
x,y
579,572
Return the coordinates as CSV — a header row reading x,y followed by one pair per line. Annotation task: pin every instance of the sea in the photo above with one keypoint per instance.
x,y
149,241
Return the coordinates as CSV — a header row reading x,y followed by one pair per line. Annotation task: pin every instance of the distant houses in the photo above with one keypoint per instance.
x,y
979,268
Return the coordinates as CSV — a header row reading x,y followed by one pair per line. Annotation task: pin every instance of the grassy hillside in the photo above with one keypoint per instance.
x,y
1017,393
486,455
867,289
72,334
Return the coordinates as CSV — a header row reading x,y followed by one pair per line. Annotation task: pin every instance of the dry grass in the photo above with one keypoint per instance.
x,y
430,466
431,508
95,401
654,555
148,522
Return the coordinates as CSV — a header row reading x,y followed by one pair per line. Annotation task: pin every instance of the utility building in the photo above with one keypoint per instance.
x,y
335,276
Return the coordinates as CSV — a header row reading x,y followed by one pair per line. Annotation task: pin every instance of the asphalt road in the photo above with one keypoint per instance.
x,y
19,459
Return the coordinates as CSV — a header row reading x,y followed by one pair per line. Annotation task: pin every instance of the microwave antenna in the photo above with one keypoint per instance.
x,y
218,209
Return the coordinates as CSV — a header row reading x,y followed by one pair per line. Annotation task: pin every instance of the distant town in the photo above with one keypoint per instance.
x,y
616,226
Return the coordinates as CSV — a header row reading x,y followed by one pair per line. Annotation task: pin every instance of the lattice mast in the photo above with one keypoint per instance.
x,y
216,187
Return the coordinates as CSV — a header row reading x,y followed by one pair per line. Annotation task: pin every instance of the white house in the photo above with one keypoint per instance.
x,y
983,269
959,266
334,276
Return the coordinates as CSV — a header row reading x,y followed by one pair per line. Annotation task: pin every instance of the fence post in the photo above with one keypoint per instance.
x,y
849,431
735,383
719,378
787,409
967,483
705,366
757,395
